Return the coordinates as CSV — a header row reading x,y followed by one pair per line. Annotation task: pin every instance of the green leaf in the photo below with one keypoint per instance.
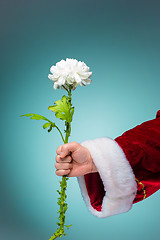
x,y
68,226
35,116
60,115
38,117
72,112
46,125
61,109
52,125
65,207
27,115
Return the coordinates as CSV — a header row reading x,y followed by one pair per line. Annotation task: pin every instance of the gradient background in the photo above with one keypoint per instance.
x,y
120,41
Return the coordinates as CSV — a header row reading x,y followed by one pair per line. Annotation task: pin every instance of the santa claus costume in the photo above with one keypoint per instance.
x,y
128,170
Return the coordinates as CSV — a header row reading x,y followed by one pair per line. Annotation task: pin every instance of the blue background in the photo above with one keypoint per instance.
x,y
120,41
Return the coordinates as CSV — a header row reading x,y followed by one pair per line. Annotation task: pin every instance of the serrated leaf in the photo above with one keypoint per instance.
x,y
60,115
35,116
61,109
46,125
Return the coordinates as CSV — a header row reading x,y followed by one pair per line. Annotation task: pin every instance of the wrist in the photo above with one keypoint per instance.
x,y
93,166
94,169
89,164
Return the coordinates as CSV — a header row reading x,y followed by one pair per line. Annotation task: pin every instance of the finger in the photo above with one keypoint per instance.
x,y
66,159
67,148
63,166
62,172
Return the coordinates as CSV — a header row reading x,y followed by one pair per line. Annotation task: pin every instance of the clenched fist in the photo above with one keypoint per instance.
x,y
74,160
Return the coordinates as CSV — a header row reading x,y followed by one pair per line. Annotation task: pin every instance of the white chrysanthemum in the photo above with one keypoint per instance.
x,y
70,73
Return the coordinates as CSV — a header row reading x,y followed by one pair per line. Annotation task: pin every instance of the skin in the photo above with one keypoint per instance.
x,y
74,160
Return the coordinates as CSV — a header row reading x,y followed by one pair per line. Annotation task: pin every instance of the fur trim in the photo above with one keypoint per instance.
x,y
116,174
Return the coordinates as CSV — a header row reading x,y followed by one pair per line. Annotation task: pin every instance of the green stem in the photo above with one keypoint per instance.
x,y
68,124
65,88
60,133
63,184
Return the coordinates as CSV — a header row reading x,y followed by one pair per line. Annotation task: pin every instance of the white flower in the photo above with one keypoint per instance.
x,y
70,73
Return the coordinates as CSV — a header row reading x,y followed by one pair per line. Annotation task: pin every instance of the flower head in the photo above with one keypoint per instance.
x,y
70,73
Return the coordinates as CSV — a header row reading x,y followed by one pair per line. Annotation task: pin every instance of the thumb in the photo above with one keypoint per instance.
x,y
67,149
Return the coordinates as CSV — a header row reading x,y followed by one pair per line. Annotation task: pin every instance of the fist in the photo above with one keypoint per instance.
x,y
73,160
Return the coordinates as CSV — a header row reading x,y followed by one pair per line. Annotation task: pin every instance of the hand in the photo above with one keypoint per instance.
x,y
74,160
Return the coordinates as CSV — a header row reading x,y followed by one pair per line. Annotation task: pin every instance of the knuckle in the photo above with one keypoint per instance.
x,y
62,147
57,158
59,149
57,173
56,165
74,143
62,172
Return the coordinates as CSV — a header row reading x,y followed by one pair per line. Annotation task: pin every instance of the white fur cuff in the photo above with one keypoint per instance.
x,y
116,174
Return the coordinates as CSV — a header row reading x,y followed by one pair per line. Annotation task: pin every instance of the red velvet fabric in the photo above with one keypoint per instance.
x,y
95,190
141,146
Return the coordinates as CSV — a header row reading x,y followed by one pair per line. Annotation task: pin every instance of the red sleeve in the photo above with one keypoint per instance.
x,y
128,169
141,146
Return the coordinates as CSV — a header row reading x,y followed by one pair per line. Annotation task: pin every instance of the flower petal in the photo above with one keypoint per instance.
x,y
77,78
55,86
